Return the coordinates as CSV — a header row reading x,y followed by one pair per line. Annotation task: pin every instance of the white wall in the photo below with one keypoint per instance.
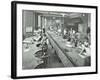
x,y
5,40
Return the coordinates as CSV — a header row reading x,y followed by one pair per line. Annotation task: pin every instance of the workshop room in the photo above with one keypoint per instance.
x,y
52,39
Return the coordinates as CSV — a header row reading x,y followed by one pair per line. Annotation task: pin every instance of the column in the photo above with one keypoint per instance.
x,y
36,21
62,27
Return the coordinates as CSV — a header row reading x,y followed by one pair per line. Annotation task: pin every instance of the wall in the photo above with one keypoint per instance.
x,y
85,23
31,21
28,23
28,18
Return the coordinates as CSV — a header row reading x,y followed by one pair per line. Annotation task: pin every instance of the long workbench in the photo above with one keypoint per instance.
x,y
68,55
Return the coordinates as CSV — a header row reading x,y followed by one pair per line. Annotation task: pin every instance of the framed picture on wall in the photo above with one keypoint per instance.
x,y
50,39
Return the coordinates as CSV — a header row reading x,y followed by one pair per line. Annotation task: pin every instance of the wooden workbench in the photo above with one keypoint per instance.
x,y
69,56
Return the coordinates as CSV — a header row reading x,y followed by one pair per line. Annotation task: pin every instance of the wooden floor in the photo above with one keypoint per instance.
x,y
53,61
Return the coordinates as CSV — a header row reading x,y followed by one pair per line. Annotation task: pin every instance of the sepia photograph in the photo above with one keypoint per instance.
x,y
53,39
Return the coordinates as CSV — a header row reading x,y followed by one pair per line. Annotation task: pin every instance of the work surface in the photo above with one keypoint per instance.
x,y
29,61
71,53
